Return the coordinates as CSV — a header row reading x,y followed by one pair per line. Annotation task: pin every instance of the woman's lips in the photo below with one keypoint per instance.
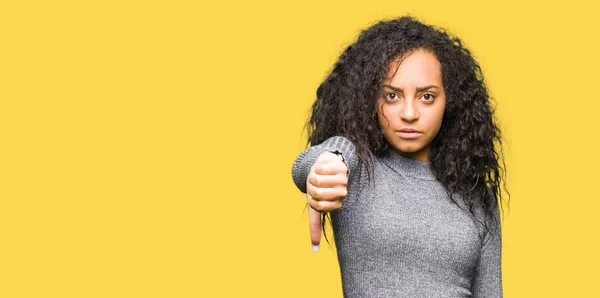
x,y
409,134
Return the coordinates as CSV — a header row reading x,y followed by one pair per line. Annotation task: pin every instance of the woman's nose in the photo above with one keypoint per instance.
x,y
409,111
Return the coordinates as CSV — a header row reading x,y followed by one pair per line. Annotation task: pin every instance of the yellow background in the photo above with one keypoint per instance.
x,y
146,146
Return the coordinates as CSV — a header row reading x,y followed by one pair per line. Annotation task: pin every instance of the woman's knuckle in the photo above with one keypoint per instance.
x,y
319,206
314,205
318,193
316,180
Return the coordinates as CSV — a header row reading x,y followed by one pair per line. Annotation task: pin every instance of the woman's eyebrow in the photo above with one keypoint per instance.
x,y
419,89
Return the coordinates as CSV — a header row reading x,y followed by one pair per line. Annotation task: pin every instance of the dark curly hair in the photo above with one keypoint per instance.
x,y
466,152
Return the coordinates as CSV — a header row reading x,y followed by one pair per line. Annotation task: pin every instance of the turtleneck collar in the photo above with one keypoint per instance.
x,y
409,166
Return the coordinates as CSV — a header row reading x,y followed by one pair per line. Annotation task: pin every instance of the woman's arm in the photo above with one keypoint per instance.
x,y
326,183
488,278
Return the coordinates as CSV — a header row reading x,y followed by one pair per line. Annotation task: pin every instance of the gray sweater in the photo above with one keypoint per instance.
x,y
402,236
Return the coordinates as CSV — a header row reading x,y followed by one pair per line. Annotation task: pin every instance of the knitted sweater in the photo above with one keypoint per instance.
x,y
400,235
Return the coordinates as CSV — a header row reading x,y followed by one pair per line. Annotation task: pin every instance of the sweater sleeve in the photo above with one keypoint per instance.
x,y
306,159
488,278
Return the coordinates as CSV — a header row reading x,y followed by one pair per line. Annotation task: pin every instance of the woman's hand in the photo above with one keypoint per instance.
x,y
326,187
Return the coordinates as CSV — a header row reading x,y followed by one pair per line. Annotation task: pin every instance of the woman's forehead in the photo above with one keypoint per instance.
x,y
416,67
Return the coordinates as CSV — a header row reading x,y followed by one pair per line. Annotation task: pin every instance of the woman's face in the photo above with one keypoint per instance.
x,y
412,99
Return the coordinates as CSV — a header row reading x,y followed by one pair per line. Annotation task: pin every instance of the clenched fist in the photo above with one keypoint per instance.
x,y
326,187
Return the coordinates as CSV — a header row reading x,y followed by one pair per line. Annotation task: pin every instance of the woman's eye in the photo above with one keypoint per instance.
x,y
391,96
428,96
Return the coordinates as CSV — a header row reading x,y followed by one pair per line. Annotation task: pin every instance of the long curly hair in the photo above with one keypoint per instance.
x,y
465,154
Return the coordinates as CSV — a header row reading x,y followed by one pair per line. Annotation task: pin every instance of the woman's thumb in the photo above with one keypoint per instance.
x,y
315,227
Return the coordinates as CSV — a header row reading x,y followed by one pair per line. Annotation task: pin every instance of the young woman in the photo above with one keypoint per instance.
x,y
405,158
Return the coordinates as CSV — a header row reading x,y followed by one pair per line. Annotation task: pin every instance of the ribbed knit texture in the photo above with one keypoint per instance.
x,y
402,236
